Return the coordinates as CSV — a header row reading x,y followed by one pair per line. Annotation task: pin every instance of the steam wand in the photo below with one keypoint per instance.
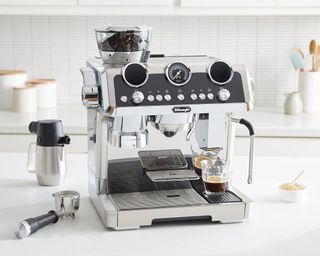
x,y
252,138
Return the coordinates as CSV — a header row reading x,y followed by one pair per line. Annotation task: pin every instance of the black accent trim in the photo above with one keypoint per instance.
x,y
157,55
248,125
181,109
199,83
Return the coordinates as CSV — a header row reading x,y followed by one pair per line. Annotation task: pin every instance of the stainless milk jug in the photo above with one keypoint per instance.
x,y
46,157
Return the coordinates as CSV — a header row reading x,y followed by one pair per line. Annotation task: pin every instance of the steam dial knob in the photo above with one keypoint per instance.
x,y
223,95
137,97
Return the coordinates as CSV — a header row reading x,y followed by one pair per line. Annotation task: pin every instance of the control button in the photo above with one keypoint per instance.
x,y
210,96
180,96
223,95
124,98
167,97
193,96
150,98
159,97
137,97
202,96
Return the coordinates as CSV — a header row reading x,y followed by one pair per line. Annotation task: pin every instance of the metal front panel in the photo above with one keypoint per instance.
x,y
233,212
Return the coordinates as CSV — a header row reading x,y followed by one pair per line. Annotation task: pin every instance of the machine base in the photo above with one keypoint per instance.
x,y
117,215
140,202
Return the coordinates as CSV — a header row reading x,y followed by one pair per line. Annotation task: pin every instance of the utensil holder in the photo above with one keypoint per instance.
x,y
309,88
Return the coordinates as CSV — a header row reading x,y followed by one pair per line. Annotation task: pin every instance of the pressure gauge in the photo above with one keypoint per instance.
x,y
178,73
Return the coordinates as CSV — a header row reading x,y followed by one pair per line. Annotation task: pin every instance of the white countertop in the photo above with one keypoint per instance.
x,y
267,122
275,228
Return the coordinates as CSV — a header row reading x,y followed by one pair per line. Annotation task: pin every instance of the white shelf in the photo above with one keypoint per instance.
x,y
228,3
154,9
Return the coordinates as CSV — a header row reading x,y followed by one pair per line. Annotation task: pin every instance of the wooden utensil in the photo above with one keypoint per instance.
x,y
297,177
313,49
318,59
301,52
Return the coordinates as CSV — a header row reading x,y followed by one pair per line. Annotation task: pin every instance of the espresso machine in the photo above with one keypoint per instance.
x,y
143,113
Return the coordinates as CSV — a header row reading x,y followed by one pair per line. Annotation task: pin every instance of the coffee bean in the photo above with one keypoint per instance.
x,y
122,42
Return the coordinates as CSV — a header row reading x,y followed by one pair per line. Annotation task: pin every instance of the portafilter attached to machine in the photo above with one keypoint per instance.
x,y
123,44
169,125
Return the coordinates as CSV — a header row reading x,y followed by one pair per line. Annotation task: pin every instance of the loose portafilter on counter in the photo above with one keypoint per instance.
x,y
137,176
66,204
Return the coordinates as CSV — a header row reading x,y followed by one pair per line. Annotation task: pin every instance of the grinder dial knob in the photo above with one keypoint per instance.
x,y
137,97
223,94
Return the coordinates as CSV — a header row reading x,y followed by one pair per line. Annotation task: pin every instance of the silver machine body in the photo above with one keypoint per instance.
x,y
158,115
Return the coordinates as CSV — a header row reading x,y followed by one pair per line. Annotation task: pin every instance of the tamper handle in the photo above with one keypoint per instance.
x,y
29,226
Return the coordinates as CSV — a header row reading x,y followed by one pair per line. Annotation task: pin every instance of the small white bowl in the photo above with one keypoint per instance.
x,y
292,196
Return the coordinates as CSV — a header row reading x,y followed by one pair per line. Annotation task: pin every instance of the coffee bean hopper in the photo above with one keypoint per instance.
x,y
66,204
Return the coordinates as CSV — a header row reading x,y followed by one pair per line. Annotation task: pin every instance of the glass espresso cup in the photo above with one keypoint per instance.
x,y
199,155
215,175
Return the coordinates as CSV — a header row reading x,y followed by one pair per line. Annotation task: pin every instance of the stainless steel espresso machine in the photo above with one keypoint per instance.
x,y
144,113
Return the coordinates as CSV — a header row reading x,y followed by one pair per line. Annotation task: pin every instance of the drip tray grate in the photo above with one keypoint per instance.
x,y
172,159
157,199
227,197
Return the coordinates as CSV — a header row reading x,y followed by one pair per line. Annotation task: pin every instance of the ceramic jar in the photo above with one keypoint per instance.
x,y
293,104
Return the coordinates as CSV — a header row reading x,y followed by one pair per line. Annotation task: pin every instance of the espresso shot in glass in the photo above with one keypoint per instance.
x,y
215,176
196,161
199,155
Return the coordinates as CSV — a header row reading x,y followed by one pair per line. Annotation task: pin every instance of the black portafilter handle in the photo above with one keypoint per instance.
x,y
29,226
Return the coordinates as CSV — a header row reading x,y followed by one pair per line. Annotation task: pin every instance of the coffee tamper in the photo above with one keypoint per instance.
x,y
66,204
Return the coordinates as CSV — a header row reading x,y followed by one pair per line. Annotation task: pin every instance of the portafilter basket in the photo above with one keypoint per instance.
x,y
67,203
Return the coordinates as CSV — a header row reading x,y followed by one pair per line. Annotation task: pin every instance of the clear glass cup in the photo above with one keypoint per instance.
x,y
215,175
199,155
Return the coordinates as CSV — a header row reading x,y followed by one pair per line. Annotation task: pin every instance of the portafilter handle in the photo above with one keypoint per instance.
x,y
31,225
252,139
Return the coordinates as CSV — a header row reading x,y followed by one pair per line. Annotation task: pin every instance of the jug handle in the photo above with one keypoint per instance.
x,y
31,164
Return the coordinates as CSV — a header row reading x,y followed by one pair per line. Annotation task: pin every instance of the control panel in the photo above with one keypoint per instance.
x,y
177,85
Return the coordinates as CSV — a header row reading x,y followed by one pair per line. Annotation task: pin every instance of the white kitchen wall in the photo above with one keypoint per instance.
x,y
55,47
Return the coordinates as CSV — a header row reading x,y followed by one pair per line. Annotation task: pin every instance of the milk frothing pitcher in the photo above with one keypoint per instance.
x,y
46,157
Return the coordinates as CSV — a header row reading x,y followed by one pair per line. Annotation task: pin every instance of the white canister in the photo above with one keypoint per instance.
x,y
46,92
8,80
309,88
24,99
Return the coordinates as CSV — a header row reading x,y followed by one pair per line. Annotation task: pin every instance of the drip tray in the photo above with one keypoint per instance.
x,y
172,175
157,199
